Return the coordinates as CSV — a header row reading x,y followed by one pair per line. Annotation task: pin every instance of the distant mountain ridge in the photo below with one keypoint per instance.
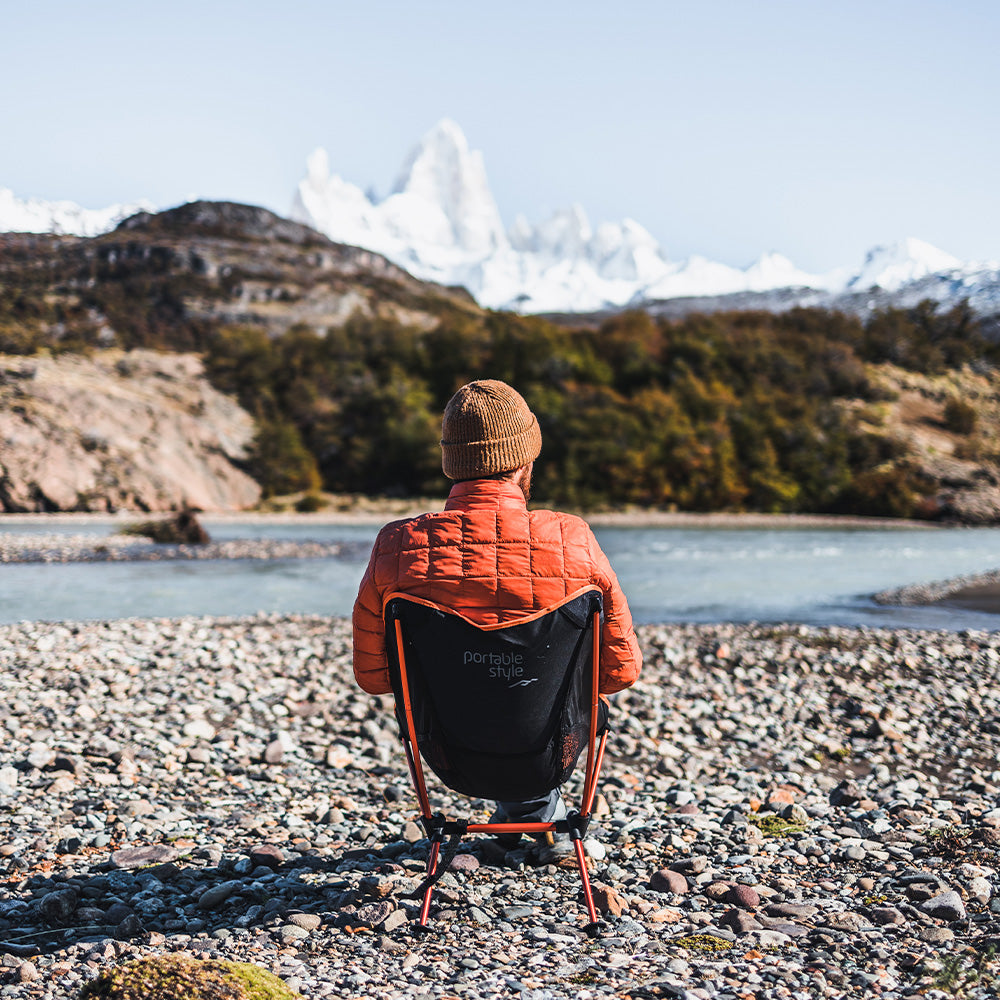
x,y
64,218
441,223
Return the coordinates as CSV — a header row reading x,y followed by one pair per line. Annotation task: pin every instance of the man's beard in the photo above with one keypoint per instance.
x,y
525,485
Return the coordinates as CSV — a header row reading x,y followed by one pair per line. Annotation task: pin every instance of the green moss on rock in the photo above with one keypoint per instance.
x,y
702,942
181,977
776,826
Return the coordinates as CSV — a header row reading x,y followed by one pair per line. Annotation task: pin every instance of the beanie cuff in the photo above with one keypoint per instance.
x,y
475,459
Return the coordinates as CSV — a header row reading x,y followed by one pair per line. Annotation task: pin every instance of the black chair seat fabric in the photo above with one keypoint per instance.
x,y
499,713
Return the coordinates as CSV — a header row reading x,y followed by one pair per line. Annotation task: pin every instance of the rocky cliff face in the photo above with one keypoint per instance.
x,y
136,430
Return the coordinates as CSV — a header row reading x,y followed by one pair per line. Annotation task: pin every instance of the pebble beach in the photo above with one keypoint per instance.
x,y
785,811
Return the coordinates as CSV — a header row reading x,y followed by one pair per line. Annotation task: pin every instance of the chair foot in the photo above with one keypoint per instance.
x,y
425,908
422,930
581,861
432,862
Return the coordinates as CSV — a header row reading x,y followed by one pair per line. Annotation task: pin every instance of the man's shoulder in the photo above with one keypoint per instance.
x,y
407,526
570,523
442,525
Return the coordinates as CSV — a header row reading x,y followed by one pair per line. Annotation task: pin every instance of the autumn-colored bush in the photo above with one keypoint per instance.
x,y
728,411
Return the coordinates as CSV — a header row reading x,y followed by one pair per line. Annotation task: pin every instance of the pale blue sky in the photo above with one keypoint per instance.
x,y
726,127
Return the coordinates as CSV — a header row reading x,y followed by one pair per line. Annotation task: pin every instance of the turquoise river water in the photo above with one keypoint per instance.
x,y
791,574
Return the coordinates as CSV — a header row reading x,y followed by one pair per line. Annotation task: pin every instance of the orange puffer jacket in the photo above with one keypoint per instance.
x,y
491,559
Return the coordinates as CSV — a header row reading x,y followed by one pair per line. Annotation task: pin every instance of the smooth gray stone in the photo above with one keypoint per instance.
x,y
946,906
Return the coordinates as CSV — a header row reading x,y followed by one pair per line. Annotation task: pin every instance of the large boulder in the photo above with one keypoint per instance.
x,y
116,430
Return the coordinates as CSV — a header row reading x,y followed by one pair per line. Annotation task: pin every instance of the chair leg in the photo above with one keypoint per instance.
x,y
581,861
432,861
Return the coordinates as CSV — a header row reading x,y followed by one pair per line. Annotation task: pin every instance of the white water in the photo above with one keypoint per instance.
x,y
808,575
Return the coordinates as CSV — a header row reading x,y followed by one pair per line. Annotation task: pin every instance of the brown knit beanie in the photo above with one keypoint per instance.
x,y
487,428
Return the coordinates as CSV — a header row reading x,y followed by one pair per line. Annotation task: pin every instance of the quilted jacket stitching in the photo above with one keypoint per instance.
x,y
408,536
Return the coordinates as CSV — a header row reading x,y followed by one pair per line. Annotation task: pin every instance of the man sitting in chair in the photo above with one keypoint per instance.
x,y
489,558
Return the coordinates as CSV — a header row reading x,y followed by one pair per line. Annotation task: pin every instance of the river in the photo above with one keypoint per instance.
x,y
808,575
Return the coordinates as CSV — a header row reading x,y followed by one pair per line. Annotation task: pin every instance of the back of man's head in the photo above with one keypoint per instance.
x,y
487,429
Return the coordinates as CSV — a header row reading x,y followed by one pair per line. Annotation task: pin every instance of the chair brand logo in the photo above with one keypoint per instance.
x,y
502,666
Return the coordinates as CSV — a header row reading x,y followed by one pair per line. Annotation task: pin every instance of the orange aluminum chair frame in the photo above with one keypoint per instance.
x,y
438,827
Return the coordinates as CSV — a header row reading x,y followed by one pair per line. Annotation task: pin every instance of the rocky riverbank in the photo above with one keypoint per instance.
x,y
977,592
55,548
786,812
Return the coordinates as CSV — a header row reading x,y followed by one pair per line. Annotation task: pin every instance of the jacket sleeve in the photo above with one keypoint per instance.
x,y
621,659
371,670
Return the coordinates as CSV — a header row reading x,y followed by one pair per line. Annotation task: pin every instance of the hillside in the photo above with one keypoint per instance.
x,y
804,412
342,364
949,426
170,280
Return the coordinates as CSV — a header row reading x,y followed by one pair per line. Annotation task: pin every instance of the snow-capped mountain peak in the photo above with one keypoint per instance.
x,y
897,264
34,215
441,222
566,233
774,270
317,167
440,219
434,166
443,175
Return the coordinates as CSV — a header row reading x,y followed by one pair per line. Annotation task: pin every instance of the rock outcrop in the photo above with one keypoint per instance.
x,y
116,430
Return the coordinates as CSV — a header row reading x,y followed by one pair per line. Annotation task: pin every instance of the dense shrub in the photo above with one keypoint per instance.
x,y
925,340
280,462
724,411
960,417
889,491
184,977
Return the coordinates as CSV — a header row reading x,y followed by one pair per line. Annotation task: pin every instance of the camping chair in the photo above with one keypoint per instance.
x,y
498,712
